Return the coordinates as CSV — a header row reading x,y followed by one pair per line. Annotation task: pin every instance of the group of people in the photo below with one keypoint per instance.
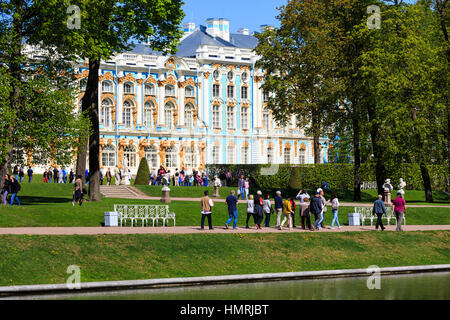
x,y
19,173
179,177
9,190
58,174
260,208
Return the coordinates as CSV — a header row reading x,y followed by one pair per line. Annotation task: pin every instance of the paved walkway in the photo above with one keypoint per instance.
x,y
192,229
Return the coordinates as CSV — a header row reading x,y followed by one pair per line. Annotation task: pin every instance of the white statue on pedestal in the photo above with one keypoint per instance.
x,y
217,182
165,182
126,173
401,186
387,186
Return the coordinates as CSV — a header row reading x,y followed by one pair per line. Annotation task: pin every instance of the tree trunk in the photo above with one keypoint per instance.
x,y
316,146
316,136
81,162
426,182
94,138
357,156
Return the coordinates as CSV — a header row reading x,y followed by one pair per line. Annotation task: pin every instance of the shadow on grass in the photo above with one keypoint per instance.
x,y
35,200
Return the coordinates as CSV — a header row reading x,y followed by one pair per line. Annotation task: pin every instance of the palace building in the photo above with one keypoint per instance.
x,y
202,106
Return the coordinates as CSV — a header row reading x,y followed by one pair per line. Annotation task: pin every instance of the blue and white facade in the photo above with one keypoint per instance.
x,y
202,106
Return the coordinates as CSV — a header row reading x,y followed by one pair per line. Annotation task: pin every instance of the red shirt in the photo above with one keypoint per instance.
x,y
399,204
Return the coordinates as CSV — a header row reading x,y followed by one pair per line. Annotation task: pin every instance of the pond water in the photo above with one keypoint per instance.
x,y
422,286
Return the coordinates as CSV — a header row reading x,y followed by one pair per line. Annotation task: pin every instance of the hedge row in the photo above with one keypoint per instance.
x,y
338,176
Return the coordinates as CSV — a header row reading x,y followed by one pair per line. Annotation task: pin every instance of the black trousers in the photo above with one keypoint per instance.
x,y
209,220
379,221
249,214
267,220
258,214
308,221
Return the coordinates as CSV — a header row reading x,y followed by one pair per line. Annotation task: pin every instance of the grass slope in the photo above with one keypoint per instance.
x,y
44,259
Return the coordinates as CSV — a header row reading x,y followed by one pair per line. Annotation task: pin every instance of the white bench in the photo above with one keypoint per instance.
x,y
366,213
134,213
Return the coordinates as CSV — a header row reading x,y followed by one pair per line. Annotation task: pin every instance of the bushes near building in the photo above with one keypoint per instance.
x,y
143,173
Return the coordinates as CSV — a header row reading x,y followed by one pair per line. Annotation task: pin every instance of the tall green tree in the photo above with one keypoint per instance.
x,y
36,99
106,28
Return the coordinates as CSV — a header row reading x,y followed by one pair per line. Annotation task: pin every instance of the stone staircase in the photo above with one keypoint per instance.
x,y
123,192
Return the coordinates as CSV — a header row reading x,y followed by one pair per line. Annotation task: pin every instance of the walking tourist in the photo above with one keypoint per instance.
x,y
206,203
45,176
77,191
30,174
108,177
278,207
250,210
335,210
176,177
241,187
302,194
64,175
258,209
316,209
399,208
55,175
232,209
228,178
71,175
379,209
21,174
324,205
16,172
6,189
101,176
305,214
268,210
15,188
293,212
60,176
246,188
287,211
117,176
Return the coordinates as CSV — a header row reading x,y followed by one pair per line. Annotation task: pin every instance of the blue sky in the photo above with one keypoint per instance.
x,y
241,13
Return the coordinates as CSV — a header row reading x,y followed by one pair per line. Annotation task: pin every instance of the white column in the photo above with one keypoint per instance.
x,y
140,106
180,106
119,113
206,102
161,105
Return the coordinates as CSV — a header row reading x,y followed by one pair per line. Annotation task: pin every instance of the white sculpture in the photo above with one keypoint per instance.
x,y
217,182
165,182
401,186
387,186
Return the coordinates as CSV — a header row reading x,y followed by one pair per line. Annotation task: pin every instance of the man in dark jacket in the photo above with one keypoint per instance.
x,y
30,174
55,175
15,188
6,189
379,209
316,209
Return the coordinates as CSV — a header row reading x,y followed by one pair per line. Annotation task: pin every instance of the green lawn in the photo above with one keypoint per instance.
x,y
44,259
50,205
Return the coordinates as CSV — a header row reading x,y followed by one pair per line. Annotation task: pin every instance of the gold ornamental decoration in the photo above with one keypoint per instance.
x,y
150,79
83,74
206,75
169,80
170,63
128,77
259,78
106,76
188,82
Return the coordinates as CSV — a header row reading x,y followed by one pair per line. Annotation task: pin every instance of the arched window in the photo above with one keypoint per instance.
x,y
302,155
191,158
170,91
266,120
128,87
108,156
107,86
216,91
244,76
171,157
149,90
127,110
216,116
230,76
245,159
105,114
287,155
216,75
244,118
129,154
189,116
244,92
168,115
216,154
230,155
149,108
230,91
270,155
230,117
151,154
189,91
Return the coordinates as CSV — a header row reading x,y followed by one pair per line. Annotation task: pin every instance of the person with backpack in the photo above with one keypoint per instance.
x,y
6,189
334,210
305,214
258,209
15,188
316,208
21,174
287,211
268,210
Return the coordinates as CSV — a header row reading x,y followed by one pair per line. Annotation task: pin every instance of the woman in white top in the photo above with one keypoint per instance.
x,y
334,210
267,206
250,210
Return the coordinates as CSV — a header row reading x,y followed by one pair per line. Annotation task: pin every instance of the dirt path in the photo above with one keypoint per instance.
x,y
192,229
